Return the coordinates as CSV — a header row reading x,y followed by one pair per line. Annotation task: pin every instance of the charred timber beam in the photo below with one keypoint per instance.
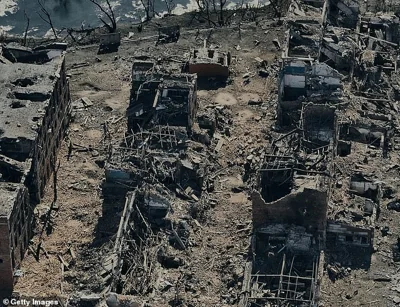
x,y
274,169
287,134
283,275
266,299
311,172
377,39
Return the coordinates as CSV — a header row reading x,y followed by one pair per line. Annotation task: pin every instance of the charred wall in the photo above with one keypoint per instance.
x,y
306,208
50,136
163,100
209,63
340,234
15,230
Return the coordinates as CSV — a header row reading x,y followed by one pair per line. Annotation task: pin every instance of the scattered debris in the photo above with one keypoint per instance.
x,y
394,205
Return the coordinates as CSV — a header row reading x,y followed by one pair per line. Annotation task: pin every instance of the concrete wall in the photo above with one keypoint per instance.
x,y
18,149
140,70
366,188
329,51
193,105
365,135
349,235
327,75
20,225
324,70
110,38
305,208
208,70
293,81
319,123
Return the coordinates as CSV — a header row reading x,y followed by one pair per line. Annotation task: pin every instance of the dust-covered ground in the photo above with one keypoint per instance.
x,y
84,223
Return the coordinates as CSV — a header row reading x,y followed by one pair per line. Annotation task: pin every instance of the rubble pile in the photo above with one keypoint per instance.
x,y
165,163
335,106
264,178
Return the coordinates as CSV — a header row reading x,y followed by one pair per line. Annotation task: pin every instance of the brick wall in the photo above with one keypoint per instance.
x,y
51,134
6,275
15,232
208,70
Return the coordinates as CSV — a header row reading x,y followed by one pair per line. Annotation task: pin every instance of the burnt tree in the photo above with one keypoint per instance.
x,y
170,5
111,25
212,9
26,28
46,17
221,4
205,10
148,6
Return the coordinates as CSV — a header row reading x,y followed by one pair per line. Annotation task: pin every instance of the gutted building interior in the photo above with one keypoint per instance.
x,y
298,197
205,169
158,98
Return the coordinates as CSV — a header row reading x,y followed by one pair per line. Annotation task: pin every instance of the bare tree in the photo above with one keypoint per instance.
x,y
204,7
221,20
213,9
26,28
170,5
252,12
241,9
109,12
46,17
148,6
278,6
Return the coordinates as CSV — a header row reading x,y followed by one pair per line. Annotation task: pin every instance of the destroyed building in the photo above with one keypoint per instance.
x,y
109,42
160,99
289,206
302,39
342,13
319,126
209,62
288,239
301,82
317,194
35,106
155,151
292,223
383,27
305,166
161,114
155,157
169,34
16,53
142,70
160,154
